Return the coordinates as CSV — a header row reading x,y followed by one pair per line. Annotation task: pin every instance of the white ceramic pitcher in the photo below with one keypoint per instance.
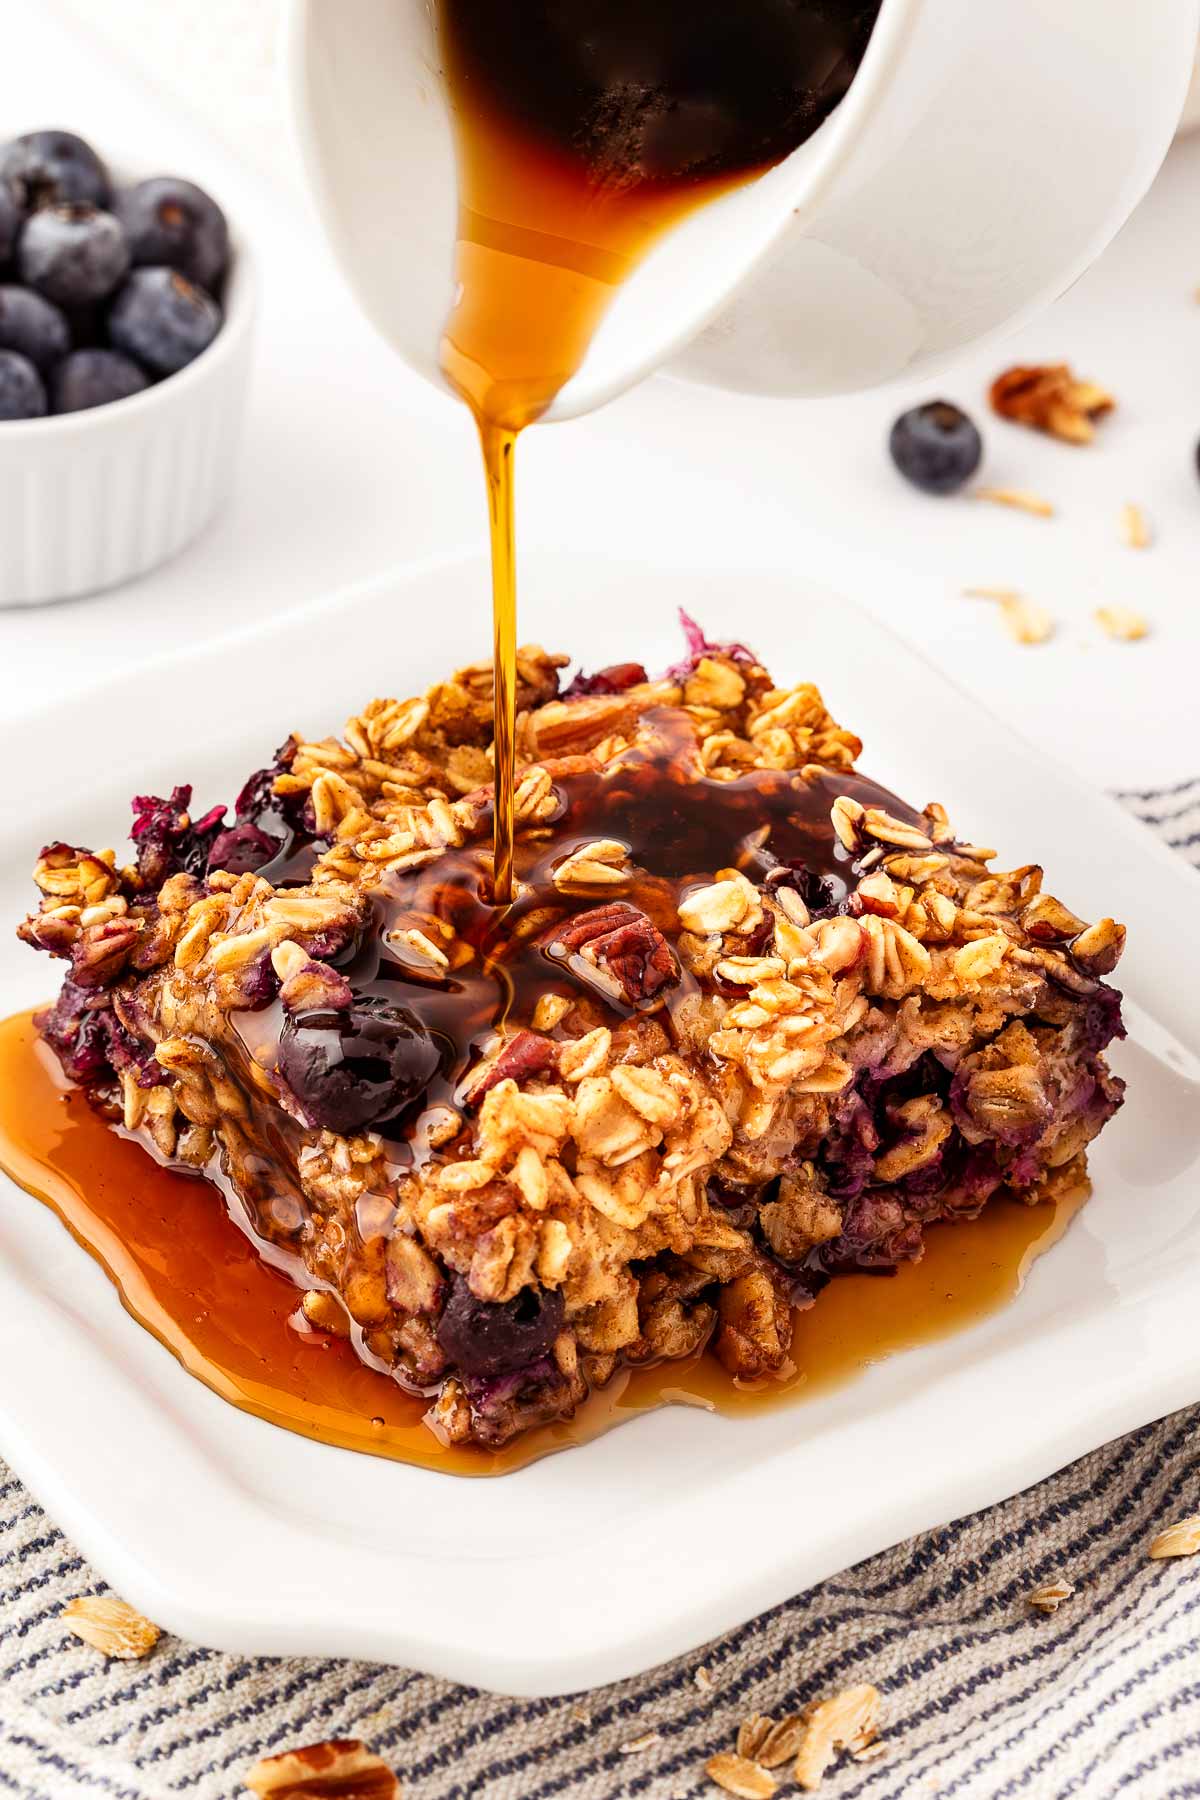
x,y
986,153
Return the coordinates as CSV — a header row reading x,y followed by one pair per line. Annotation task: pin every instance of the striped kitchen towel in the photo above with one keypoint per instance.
x,y
982,1695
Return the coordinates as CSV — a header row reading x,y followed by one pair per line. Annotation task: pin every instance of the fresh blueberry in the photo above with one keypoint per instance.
x,y
33,326
487,1338
89,378
163,319
10,221
176,224
73,254
48,168
349,1069
936,447
22,395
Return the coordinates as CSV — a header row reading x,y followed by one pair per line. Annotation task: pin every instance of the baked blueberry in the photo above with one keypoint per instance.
x,y
22,395
241,849
163,319
32,325
174,224
10,221
72,254
349,1069
936,447
488,1338
48,168
89,378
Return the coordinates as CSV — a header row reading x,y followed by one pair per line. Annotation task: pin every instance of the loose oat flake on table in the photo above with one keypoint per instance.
x,y
1121,623
111,1626
1019,499
752,1021
1025,621
1180,1539
1049,1596
1135,529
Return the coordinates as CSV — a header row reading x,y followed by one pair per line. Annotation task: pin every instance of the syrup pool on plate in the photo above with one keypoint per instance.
x,y
196,1279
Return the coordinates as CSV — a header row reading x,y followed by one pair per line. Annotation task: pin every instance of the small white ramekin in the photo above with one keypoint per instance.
x,y
91,499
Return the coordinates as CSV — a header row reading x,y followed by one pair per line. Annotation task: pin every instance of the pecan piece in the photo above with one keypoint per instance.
x,y
572,726
1051,398
616,950
46,932
341,1766
101,951
523,1056
755,1331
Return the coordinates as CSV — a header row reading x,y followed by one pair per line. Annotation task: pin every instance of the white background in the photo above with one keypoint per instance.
x,y
351,465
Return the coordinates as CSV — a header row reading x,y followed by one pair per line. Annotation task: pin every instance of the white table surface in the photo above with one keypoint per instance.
x,y
351,465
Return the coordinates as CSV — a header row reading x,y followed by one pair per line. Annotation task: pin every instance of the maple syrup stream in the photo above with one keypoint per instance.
x,y
584,130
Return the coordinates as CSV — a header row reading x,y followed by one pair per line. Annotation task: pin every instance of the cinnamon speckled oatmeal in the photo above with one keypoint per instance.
x,y
750,1022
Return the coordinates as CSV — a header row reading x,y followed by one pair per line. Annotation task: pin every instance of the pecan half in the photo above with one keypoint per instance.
x,y
572,726
341,1766
616,950
523,1056
101,951
1051,398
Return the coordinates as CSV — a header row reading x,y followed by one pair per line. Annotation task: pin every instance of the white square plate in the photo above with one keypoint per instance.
x,y
600,1562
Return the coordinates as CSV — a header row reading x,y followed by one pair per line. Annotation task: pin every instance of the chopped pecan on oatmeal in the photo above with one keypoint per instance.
x,y
1050,398
749,1022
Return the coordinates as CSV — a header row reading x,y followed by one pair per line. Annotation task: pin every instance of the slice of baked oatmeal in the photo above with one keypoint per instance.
x,y
750,1022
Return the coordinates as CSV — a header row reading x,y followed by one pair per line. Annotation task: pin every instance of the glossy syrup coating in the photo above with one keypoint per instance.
x,y
678,827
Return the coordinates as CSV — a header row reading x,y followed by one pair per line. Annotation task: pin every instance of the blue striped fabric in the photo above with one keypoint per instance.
x,y
982,1699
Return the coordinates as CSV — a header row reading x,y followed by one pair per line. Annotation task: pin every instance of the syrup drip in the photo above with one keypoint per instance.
x,y
194,1277
584,130
680,827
